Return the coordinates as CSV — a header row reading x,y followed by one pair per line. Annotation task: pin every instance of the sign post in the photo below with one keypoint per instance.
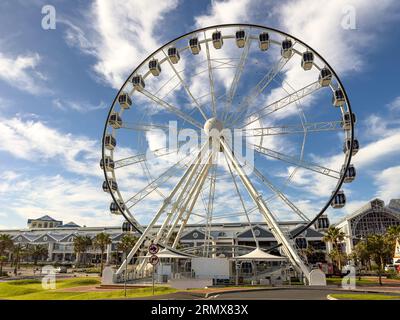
x,y
154,260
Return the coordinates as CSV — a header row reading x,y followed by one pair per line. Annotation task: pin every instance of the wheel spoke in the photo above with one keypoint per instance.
x,y
171,108
156,183
241,201
295,128
211,78
280,194
301,163
284,102
137,126
236,78
257,90
143,157
287,244
186,87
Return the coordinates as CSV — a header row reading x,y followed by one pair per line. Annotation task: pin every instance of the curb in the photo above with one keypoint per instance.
x,y
215,293
329,297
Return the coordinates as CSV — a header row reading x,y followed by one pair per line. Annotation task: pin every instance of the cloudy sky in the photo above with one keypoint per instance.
x,y
56,87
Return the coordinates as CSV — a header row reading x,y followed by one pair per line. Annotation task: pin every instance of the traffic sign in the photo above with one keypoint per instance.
x,y
154,260
153,248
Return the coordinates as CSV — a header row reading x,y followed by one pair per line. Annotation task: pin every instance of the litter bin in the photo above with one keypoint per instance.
x,y
164,278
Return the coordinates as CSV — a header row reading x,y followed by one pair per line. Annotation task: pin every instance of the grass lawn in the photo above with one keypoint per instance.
x,y
338,281
364,296
32,290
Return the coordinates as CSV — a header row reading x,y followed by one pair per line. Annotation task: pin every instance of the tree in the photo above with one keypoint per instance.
x,y
393,234
335,236
81,245
101,241
379,247
126,244
37,251
6,244
18,252
361,254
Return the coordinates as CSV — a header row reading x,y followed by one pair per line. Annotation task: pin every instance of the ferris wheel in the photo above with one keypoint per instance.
x,y
188,112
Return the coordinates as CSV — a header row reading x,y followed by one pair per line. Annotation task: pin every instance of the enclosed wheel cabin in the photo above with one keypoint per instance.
x,y
338,98
154,67
325,77
263,41
110,142
347,119
173,55
194,45
107,164
339,201
124,100
350,173
307,60
138,82
287,48
113,184
347,145
114,207
240,38
115,120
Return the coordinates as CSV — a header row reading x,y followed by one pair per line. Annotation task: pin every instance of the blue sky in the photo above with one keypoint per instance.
x,y
56,87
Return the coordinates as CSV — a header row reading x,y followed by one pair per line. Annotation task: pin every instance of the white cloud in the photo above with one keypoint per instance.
x,y
22,72
387,182
319,25
77,200
35,141
82,107
122,33
395,104
220,12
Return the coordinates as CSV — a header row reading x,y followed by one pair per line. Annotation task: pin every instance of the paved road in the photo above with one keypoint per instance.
x,y
279,294
265,294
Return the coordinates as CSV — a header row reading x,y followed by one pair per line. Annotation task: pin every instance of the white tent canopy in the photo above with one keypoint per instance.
x,y
258,254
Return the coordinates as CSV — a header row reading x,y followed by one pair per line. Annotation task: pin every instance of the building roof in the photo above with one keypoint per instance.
x,y
44,218
69,225
375,204
309,233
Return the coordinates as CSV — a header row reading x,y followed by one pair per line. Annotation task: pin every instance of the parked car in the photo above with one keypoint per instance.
x,y
62,269
390,267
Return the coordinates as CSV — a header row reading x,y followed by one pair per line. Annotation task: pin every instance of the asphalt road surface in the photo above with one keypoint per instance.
x,y
267,294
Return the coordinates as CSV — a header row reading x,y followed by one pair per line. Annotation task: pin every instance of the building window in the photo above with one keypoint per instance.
x,y
257,232
195,235
45,238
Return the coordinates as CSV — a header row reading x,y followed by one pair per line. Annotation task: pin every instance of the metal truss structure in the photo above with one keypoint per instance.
x,y
189,81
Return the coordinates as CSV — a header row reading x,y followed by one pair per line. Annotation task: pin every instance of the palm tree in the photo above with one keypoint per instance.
x,y
81,245
101,241
19,251
126,244
379,247
37,251
335,236
360,253
393,234
6,244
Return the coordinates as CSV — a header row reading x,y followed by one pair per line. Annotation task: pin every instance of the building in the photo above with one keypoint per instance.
x,y
226,239
372,218
44,222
